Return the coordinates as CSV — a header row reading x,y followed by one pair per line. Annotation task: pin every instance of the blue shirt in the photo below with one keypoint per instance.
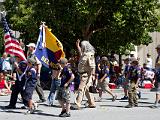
x,y
126,69
31,74
134,73
65,75
103,70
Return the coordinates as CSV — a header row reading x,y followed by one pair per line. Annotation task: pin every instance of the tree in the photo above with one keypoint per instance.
x,y
108,24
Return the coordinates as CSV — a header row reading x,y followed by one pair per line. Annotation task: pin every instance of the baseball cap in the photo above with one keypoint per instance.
x,y
158,46
31,45
134,60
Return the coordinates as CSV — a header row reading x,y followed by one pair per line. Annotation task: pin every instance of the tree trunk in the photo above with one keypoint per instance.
x,y
120,59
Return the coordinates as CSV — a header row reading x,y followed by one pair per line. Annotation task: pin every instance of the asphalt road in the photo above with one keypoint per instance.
x,y
106,109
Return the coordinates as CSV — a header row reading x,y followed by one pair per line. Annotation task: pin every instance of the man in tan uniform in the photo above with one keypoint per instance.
x,y
86,69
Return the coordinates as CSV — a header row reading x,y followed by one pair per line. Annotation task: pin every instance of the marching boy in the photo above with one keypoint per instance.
x,y
63,94
134,76
30,84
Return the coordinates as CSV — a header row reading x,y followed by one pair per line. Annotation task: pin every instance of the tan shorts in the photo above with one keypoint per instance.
x,y
63,95
103,85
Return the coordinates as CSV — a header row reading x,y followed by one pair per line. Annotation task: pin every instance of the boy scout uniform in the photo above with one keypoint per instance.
x,y
134,75
85,67
157,72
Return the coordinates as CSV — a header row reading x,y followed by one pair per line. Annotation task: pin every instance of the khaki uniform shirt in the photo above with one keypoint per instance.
x,y
86,62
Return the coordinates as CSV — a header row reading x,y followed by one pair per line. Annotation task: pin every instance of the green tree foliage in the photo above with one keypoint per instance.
x,y
108,24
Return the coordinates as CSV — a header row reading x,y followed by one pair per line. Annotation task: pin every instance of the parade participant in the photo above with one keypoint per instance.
x,y
30,54
86,69
19,78
56,81
134,75
63,93
157,78
126,81
30,85
103,79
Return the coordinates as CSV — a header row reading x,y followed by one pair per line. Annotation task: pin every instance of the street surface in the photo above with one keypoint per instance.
x,y
105,110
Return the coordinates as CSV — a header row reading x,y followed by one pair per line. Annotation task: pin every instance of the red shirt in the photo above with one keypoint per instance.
x,y
2,84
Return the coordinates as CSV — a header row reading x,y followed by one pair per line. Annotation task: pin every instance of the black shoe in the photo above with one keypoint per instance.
x,y
91,106
9,107
65,115
124,98
24,107
41,101
64,111
139,95
136,105
129,106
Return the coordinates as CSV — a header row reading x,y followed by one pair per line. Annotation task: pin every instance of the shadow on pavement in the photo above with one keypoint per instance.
x,y
37,112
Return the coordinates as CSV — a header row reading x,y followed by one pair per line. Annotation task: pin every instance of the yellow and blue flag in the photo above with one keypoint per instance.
x,y
49,49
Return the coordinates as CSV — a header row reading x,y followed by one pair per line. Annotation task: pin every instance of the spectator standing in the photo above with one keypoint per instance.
x,y
148,61
5,88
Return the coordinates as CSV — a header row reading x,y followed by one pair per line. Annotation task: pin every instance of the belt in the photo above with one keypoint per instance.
x,y
82,72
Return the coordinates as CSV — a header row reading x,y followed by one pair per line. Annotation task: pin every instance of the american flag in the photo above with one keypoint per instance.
x,y
12,45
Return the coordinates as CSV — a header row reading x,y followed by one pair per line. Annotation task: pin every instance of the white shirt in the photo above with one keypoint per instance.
x,y
149,62
6,64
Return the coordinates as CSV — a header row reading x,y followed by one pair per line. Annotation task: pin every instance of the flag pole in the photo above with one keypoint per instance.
x,y
43,32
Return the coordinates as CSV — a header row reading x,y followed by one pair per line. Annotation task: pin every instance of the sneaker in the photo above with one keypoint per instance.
x,y
65,115
35,106
41,101
99,99
30,111
124,98
114,98
129,106
63,111
9,107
